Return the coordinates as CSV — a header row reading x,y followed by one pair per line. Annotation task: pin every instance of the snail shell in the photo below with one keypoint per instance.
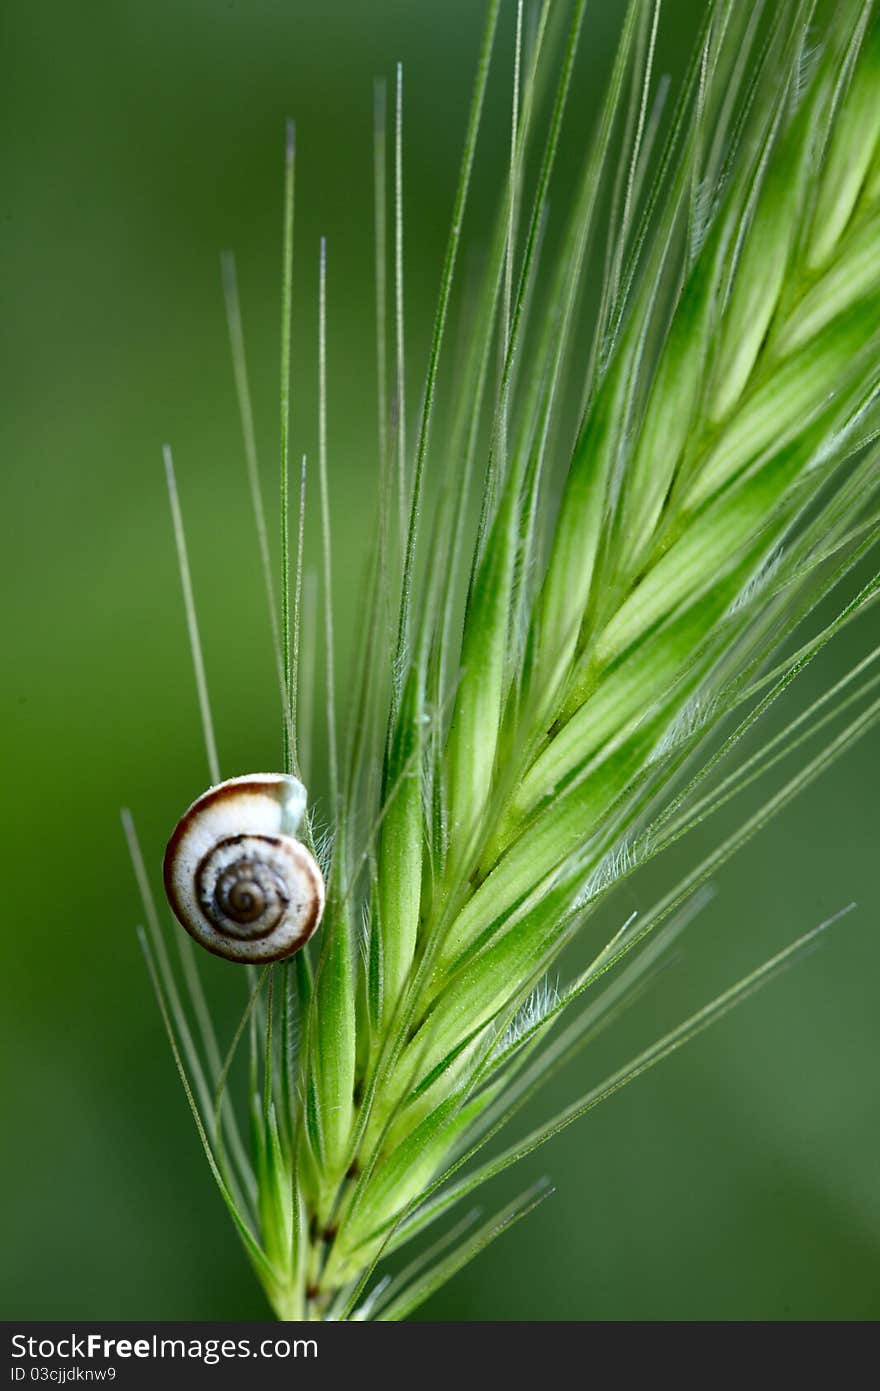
x,y
236,877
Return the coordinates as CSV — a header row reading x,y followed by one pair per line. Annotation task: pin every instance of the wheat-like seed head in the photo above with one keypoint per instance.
x,y
536,696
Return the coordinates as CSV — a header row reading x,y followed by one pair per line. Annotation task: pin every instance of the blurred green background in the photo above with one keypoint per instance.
x,y
741,1179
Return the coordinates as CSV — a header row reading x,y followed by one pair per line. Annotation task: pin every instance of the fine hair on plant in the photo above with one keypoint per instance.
x,y
637,498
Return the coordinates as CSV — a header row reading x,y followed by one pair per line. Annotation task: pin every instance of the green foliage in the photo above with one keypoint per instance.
x,y
556,679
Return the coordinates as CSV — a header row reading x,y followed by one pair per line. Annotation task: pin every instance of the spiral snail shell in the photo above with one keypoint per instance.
x,y
236,877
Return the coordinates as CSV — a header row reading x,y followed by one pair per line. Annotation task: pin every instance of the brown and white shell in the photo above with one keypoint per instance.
x,y
236,877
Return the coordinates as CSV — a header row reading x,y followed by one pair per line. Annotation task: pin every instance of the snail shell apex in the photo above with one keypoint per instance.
x,y
237,879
